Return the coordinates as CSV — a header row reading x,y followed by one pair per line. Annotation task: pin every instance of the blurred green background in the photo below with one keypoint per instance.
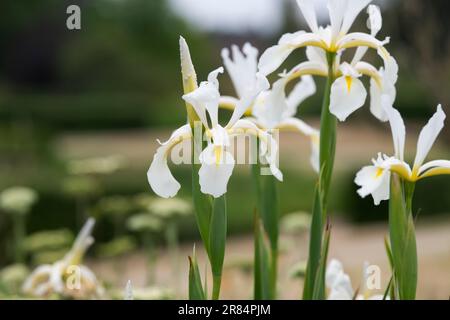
x,y
113,87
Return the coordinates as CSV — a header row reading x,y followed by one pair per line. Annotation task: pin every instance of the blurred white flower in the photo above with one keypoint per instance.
x,y
100,165
17,199
144,222
67,277
167,208
339,284
128,294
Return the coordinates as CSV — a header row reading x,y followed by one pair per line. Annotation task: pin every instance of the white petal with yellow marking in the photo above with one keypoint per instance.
x,y
347,95
215,171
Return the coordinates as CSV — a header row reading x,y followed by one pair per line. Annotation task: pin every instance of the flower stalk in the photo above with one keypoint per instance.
x,y
402,236
210,214
328,124
265,235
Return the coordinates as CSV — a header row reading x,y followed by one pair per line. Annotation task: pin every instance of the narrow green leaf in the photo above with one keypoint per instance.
x,y
328,127
195,282
315,247
389,252
202,202
269,212
391,286
217,239
403,241
270,209
319,285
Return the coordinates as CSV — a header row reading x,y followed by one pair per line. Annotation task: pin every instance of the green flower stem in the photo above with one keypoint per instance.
x,y
217,240
19,236
203,203
328,124
402,237
409,194
267,214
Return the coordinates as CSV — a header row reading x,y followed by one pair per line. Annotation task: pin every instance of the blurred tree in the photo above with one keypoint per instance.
x,y
421,31
29,38
424,28
124,59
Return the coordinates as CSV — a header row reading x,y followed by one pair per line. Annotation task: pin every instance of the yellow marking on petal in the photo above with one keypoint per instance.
x,y
313,43
434,172
218,154
349,81
384,53
363,43
231,106
379,173
227,105
372,74
401,171
176,141
415,173
303,72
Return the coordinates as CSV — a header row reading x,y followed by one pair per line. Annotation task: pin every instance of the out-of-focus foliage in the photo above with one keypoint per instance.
x,y
116,247
48,240
120,69
11,279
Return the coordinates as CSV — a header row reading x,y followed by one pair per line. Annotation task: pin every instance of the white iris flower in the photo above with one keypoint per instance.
x,y
272,109
216,160
347,93
375,179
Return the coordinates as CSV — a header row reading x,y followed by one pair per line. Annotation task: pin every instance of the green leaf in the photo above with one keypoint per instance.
x,y
389,253
195,282
263,289
403,241
315,247
319,286
202,202
269,212
217,239
328,127
391,286
270,209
